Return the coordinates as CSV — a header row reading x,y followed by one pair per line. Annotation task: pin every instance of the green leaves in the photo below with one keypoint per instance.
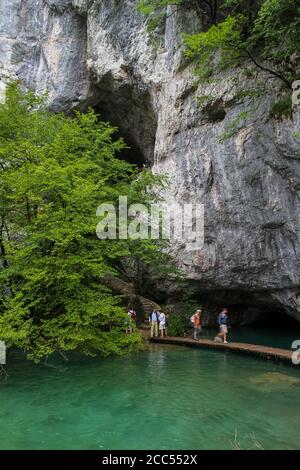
x,y
266,32
155,11
276,30
222,36
225,37
147,7
54,173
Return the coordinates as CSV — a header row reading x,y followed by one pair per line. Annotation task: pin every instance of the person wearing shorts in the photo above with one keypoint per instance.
x,y
162,324
223,324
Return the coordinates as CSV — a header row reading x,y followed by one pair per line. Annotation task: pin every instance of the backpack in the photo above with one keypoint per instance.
x,y
133,315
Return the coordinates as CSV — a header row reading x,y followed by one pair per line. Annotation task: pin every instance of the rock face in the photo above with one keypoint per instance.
x,y
223,151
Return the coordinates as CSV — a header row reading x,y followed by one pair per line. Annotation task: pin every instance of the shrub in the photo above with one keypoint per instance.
x,y
176,326
283,108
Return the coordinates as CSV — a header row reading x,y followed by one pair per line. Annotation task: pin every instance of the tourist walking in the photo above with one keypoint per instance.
x,y
131,322
154,320
223,325
133,319
162,324
196,320
128,323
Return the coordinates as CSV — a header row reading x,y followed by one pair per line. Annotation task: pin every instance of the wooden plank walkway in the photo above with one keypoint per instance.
x,y
277,354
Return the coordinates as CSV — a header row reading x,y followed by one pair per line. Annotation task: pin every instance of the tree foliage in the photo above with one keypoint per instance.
x,y
54,173
267,32
224,36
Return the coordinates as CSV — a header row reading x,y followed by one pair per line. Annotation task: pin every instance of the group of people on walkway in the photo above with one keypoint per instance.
x,y
223,321
159,324
158,321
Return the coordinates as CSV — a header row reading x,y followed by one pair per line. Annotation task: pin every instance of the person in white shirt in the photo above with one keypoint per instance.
x,y
162,324
129,328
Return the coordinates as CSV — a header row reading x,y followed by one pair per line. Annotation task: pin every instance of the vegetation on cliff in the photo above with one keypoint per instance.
x,y
266,32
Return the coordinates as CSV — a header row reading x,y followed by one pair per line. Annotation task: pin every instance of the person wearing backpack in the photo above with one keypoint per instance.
x,y
132,313
196,320
154,320
223,325
131,319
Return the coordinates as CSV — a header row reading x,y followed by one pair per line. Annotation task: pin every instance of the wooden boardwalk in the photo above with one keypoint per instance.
x,y
276,354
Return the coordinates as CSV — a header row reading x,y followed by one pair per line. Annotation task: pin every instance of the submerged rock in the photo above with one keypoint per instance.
x,y
274,378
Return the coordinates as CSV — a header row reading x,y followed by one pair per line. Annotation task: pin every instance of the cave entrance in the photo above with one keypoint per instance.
x,y
246,307
129,108
255,316
274,317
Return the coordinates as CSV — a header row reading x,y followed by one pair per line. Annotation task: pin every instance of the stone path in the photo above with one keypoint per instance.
x,y
277,354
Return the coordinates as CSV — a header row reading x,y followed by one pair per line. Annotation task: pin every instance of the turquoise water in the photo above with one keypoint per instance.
x,y
162,398
267,336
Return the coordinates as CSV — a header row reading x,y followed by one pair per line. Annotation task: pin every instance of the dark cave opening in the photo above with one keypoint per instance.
x,y
275,317
246,308
129,108
132,154
255,317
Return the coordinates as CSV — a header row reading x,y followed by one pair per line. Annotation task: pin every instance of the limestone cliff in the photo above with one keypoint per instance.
x,y
96,52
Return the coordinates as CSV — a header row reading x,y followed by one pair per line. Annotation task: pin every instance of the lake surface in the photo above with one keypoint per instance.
x,y
165,397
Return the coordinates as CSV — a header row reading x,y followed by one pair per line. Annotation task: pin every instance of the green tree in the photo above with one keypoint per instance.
x,y
224,37
54,173
267,32
155,10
